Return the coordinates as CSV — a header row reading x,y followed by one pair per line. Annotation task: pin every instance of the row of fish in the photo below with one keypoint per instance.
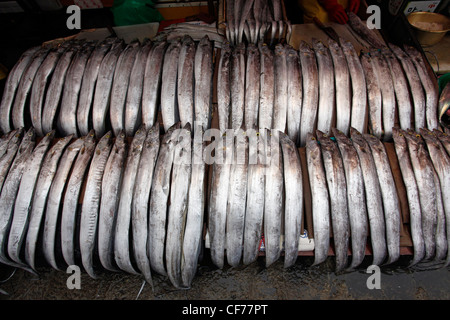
x,y
318,87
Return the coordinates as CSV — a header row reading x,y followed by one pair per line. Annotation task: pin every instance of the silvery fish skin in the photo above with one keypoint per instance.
x,y
223,88
91,203
374,96
24,88
294,92
412,193
39,85
217,208
423,172
355,198
401,89
244,12
310,91
431,90
185,81
337,188
416,89
133,111
293,199
43,184
320,199
55,89
122,254
237,196
444,138
203,73
441,163
176,216
10,152
4,141
386,85
152,83
281,97
101,101
238,4
169,109
373,197
141,195
359,89
10,189
54,200
111,183
326,110
237,86
11,85
120,86
22,206
70,202
88,84
342,87
67,117
255,197
252,87
267,89
361,29
196,207
158,199
444,103
230,21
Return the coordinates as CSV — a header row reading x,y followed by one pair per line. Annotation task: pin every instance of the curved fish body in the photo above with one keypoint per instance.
x,y
43,184
55,88
326,110
294,92
237,86
11,85
374,96
230,22
122,254
267,89
431,90
244,14
9,192
281,85
337,188
355,198
293,200
359,88
70,203
342,87
159,197
441,237
203,73
386,84
9,154
133,110
102,94
185,81
310,78
444,105
412,193
320,200
444,138
252,87
217,208
361,29
91,203
169,110
405,112
223,88
24,88
237,195
22,206
67,117
374,198
423,172
84,109
54,200
5,140
152,83
255,198
107,216
141,196
120,86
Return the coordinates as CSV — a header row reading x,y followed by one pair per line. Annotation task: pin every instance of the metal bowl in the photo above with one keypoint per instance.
x,y
425,23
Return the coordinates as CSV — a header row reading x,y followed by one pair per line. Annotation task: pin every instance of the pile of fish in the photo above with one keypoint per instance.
x,y
196,30
250,21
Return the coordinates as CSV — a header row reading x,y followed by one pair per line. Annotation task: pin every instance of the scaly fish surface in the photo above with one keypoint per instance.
x,y
281,97
169,111
237,86
223,88
203,72
252,87
185,81
295,93
361,29
9,153
267,89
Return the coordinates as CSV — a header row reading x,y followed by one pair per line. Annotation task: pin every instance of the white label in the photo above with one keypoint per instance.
x,y
426,6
